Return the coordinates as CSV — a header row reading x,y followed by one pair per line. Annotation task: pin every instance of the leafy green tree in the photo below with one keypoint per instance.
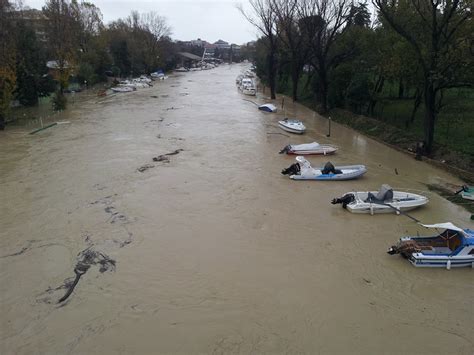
x,y
292,39
440,33
63,42
30,65
263,17
324,21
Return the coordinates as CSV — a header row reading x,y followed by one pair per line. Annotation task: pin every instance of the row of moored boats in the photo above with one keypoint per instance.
x,y
450,247
246,83
141,82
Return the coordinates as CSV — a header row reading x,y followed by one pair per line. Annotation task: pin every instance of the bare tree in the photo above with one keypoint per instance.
x,y
264,19
155,24
321,22
290,35
441,33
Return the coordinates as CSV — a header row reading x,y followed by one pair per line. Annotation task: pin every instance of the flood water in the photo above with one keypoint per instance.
x,y
215,251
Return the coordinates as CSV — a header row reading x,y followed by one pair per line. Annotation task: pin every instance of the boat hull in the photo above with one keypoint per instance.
x,y
291,130
349,172
468,195
122,89
441,261
322,151
249,92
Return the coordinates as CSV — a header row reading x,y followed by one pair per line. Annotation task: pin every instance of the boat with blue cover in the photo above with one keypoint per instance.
x,y
267,108
453,247
302,170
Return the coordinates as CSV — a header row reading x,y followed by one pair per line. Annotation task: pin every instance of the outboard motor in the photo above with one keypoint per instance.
x,y
393,250
293,169
285,149
345,200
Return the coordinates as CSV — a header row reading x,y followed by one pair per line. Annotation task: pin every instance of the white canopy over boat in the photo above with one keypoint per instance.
x,y
446,225
453,247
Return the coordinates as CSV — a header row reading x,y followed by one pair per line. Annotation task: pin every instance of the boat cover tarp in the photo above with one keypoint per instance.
x,y
384,194
305,146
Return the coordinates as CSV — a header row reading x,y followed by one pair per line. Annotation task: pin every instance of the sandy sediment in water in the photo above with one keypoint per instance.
x,y
214,250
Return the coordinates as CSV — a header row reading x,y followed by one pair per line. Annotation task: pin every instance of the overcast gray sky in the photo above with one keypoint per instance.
x,y
189,19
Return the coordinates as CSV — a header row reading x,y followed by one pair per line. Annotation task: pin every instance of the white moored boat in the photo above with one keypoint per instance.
x,y
249,90
383,201
302,170
247,86
309,149
454,247
292,126
123,89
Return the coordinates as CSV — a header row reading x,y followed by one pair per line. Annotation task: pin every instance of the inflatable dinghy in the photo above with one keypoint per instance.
x,y
302,170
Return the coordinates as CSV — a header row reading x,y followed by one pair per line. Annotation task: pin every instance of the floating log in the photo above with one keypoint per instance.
x,y
43,128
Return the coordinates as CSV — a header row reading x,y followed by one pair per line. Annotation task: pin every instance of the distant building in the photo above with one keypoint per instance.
x,y
210,49
222,44
188,60
198,42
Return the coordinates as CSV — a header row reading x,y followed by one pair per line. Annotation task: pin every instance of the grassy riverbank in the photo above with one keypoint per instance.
x,y
458,162
454,133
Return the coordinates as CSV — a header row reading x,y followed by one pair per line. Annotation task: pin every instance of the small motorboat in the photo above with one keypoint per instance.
x,y
136,85
247,86
123,89
292,126
309,149
454,247
383,201
302,170
238,80
249,90
157,74
267,108
467,192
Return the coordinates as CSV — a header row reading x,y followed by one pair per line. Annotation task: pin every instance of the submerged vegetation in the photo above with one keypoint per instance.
x,y
408,64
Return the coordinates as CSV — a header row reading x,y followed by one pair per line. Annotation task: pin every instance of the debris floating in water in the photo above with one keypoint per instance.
x,y
86,259
145,167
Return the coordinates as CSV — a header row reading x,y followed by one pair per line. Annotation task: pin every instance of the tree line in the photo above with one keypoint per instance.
x,y
346,54
42,51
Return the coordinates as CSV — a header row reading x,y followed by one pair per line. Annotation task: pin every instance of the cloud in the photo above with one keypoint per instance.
x,y
206,19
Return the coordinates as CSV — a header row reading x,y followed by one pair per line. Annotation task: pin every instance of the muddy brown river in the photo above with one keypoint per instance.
x,y
215,252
